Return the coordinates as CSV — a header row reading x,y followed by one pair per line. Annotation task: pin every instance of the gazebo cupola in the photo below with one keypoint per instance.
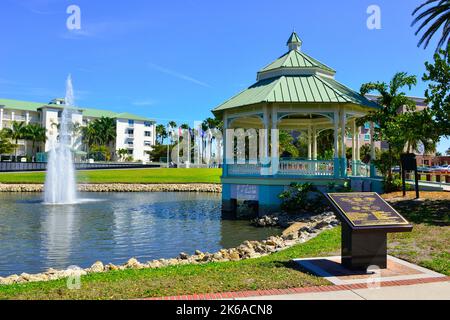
x,y
294,42
295,63
294,93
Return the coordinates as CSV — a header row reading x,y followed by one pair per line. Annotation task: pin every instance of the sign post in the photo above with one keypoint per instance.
x,y
409,163
366,220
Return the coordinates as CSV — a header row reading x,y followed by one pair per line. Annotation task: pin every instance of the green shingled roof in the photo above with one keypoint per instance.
x,y
87,112
296,89
296,59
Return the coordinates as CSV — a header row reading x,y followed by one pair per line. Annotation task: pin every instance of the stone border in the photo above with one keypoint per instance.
x,y
247,250
122,187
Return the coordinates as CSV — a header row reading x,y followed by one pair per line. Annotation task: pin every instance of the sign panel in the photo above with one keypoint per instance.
x,y
366,209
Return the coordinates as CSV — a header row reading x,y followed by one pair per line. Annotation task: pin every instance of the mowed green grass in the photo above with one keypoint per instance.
x,y
157,175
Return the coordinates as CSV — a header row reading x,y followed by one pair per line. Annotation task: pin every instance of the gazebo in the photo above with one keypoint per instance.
x,y
295,92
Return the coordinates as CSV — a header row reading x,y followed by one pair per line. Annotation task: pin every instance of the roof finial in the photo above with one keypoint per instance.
x,y
294,42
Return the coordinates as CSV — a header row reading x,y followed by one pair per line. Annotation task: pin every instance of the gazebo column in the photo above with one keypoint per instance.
x,y
264,138
373,172
354,159
336,144
309,144
225,146
343,159
314,143
274,138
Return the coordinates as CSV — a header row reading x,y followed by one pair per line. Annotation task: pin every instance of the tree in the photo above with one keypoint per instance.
x,y
438,92
16,133
161,132
6,146
122,154
286,146
438,15
392,100
100,132
36,133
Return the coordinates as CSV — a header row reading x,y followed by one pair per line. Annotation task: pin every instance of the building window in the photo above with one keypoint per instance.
x,y
130,151
147,124
367,125
367,137
130,131
148,133
130,143
131,122
147,143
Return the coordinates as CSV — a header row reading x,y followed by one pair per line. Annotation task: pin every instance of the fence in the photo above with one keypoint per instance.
x,y
42,166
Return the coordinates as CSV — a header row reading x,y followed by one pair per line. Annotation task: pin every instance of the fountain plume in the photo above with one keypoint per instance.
x,y
60,185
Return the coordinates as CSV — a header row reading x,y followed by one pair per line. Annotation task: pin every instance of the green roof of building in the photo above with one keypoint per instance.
x,y
295,77
296,89
87,112
296,59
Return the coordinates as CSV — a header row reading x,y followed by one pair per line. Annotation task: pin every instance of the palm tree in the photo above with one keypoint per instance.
x,y
438,15
161,132
6,147
36,133
392,100
106,129
16,133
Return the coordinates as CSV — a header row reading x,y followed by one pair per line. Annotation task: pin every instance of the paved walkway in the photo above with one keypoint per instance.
x,y
426,291
423,289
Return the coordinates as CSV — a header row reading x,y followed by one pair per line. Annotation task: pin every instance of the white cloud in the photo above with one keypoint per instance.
x,y
178,75
143,103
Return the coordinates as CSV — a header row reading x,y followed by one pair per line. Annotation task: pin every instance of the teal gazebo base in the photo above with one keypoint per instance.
x,y
265,191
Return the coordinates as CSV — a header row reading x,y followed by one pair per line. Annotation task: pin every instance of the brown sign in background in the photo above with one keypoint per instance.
x,y
365,209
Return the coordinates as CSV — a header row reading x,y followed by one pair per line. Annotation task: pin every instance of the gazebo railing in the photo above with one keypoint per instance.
x,y
306,167
287,168
244,169
362,169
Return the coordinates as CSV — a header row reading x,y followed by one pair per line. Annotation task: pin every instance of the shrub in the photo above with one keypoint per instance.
x,y
299,198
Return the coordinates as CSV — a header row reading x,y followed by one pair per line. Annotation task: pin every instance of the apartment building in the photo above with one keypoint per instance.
x,y
134,133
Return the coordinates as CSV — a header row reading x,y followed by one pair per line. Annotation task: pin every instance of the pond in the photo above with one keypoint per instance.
x,y
113,227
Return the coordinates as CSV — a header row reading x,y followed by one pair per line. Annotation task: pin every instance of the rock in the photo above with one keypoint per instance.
x,y
294,228
133,263
111,267
234,256
154,264
290,236
183,255
198,252
97,267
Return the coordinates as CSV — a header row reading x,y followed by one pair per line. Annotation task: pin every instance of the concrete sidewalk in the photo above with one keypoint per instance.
x,y
425,291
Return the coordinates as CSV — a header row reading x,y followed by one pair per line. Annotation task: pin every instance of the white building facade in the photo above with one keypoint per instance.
x,y
134,133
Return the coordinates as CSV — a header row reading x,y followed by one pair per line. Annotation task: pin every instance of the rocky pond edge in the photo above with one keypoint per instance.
x,y
121,187
297,232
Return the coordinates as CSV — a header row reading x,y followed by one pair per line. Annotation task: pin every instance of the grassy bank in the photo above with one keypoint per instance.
x,y
160,175
274,271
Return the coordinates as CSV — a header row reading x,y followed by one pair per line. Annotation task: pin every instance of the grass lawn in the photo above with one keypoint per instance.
x,y
159,175
429,243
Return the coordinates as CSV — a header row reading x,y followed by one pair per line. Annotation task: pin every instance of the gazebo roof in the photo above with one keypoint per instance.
x,y
295,77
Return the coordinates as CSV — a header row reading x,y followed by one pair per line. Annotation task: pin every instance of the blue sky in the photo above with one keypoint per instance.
x,y
177,59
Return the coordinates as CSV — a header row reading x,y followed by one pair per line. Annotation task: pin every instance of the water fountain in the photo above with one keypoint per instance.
x,y
60,185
